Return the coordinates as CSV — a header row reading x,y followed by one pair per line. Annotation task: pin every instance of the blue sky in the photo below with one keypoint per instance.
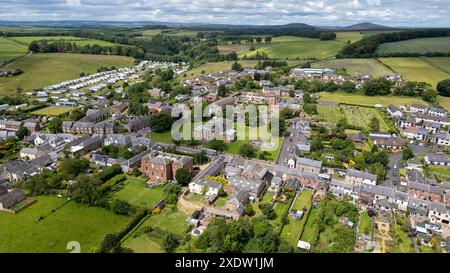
x,y
316,12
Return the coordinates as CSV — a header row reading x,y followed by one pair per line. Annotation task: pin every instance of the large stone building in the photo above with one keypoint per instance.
x,y
161,167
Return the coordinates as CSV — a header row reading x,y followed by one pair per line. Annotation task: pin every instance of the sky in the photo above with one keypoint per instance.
x,y
430,13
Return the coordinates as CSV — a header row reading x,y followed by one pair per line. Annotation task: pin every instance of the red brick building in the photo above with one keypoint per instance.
x,y
162,167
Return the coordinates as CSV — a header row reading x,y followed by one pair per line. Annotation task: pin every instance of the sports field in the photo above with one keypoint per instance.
x,y
422,45
10,50
137,194
356,99
299,47
355,67
22,233
77,40
416,69
41,70
52,111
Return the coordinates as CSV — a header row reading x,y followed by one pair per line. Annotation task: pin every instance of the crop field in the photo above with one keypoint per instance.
x,y
53,111
77,40
137,194
21,233
422,45
355,67
10,50
361,116
341,97
442,63
416,69
299,48
41,70
346,36
329,113
293,229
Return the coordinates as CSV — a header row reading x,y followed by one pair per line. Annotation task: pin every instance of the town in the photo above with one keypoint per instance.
x,y
374,176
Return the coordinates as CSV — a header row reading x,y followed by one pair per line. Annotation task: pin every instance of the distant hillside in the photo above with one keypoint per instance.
x,y
366,26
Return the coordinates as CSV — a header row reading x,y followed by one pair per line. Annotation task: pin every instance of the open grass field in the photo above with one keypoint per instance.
x,y
442,63
137,194
355,67
329,113
73,222
444,102
77,40
422,45
10,50
346,36
341,97
41,70
361,116
299,47
416,69
53,111
292,230
167,221
238,48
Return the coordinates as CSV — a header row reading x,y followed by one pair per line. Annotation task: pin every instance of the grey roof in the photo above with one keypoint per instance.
x,y
17,166
439,158
425,188
361,174
438,110
241,183
183,160
11,198
209,183
415,203
440,208
45,159
309,162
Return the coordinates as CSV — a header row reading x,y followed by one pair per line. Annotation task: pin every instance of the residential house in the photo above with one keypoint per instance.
x,y
418,108
240,183
438,160
442,138
103,128
117,140
85,145
437,112
11,198
162,167
394,111
10,125
32,126
308,165
416,133
355,177
205,187
418,207
439,214
30,153
424,191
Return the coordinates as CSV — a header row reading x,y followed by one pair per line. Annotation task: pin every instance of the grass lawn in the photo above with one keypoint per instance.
x,y
355,67
77,40
162,137
416,69
299,47
41,70
136,193
341,97
73,222
403,243
442,172
10,50
361,116
293,229
421,45
365,223
280,209
221,202
167,221
309,229
444,102
329,113
53,111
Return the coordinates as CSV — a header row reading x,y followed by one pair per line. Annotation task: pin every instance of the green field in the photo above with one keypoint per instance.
x,y
41,70
365,223
441,63
361,116
355,67
346,36
329,113
77,40
168,221
416,69
137,194
10,50
73,222
403,243
422,46
444,102
299,47
293,229
341,97
53,111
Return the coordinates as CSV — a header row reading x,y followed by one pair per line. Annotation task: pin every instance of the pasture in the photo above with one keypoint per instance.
x,y
444,102
416,69
361,116
53,111
293,229
299,48
21,233
10,50
137,194
442,63
422,46
77,40
355,67
41,70
346,36
356,99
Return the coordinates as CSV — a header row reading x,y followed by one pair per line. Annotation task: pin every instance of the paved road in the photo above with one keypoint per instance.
x,y
392,177
293,138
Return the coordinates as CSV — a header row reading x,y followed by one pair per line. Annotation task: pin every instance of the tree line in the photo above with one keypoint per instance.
x,y
366,48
